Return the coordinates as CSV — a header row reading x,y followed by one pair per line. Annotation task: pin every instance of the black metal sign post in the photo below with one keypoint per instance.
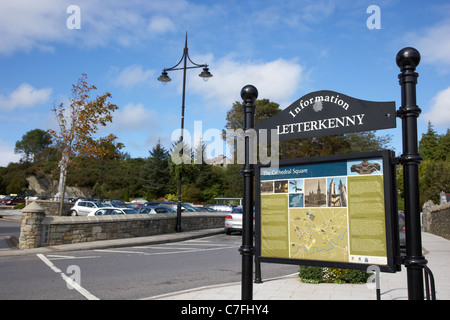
x,y
249,94
407,60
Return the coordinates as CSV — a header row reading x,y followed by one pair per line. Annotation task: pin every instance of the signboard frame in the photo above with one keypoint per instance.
x,y
391,264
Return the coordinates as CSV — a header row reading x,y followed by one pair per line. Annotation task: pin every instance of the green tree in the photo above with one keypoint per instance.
x,y
434,170
264,109
443,149
33,142
428,144
156,173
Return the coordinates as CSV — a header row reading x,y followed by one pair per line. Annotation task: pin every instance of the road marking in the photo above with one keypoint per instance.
x,y
68,280
185,250
59,257
163,248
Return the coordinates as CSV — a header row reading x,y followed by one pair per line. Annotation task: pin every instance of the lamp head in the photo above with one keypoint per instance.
x,y
164,77
205,74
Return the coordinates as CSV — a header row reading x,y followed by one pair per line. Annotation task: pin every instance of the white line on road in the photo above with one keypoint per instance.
x,y
159,253
60,257
68,280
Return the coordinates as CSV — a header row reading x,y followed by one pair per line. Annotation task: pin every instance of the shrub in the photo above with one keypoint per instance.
x,y
309,274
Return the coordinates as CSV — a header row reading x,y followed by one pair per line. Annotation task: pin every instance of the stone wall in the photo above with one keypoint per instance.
x,y
40,230
52,207
436,219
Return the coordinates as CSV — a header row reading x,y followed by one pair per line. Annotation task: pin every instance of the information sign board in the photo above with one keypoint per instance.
x,y
335,211
325,112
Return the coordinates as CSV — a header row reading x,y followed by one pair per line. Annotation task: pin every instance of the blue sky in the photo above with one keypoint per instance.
x,y
285,48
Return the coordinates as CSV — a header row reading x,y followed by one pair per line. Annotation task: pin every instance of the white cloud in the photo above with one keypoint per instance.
x,y
277,80
133,117
7,154
439,113
132,76
24,96
434,45
160,25
27,25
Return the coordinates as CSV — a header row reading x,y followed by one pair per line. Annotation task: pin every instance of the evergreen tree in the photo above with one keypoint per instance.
x,y
156,174
428,144
443,150
32,143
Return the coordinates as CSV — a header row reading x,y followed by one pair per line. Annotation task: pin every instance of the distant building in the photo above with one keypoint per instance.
x,y
220,161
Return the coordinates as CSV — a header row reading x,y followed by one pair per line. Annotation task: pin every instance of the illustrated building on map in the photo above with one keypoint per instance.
x,y
335,198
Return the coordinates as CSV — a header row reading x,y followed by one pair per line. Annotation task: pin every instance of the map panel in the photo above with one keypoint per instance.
x,y
318,234
309,213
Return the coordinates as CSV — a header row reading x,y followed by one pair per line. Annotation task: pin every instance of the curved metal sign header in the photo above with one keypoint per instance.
x,y
324,113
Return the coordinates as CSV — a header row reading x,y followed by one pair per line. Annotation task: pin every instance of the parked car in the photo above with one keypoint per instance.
x,y
155,209
133,205
185,207
401,230
222,207
12,200
205,209
83,208
111,211
233,221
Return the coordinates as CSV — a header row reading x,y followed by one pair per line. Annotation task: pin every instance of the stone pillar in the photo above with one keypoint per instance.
x,y
31,228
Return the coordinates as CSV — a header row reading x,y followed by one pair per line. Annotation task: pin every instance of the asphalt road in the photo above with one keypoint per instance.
x,y
8,230
127,273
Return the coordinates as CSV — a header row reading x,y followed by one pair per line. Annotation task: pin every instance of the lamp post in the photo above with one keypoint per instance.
x,y
164,78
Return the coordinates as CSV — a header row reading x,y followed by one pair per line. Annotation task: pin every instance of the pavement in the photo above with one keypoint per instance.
x,y
393,286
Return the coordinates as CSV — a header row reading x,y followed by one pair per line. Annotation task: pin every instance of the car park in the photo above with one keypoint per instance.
x,y
155,209
83,208
106,211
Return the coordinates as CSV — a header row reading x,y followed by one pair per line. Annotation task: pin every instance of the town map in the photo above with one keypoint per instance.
x,y
319,234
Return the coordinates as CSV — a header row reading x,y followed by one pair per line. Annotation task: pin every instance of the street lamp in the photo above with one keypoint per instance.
x,y
164,78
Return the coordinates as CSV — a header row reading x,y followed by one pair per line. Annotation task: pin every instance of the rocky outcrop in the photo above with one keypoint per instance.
x,y
46,187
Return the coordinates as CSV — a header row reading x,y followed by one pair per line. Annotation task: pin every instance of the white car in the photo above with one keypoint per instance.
x,y
233,221
111,211
83,207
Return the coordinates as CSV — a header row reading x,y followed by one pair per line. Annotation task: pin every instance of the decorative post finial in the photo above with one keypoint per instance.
x,y
408,58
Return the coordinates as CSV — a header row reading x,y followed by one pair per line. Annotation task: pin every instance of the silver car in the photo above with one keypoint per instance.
x,y
156,209
233,221
111,211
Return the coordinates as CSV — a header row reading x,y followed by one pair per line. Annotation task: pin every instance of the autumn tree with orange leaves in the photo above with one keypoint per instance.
x,y
76,128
